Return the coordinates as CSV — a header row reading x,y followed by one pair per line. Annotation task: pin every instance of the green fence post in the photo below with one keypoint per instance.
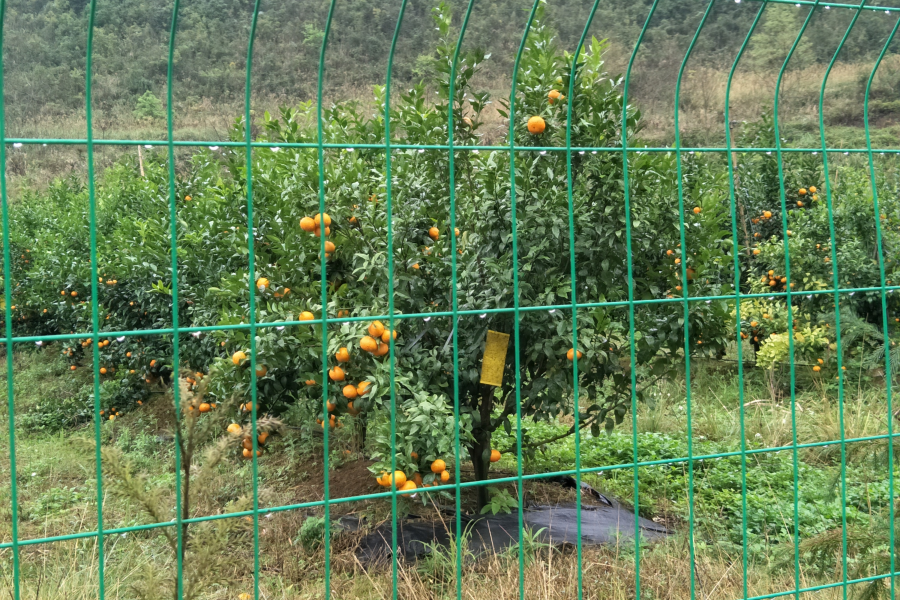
x,y
248,161
790,312
735,252
574,306
7,313
454,300
884,310
837,297
390,263
320,141
685,297
173,232
95,350
515,267
631,327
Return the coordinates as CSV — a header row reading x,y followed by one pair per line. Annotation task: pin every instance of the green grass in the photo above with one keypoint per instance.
x,y
57,495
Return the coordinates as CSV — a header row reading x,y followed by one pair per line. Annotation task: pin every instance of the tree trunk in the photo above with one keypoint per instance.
x,y
480,451
480,463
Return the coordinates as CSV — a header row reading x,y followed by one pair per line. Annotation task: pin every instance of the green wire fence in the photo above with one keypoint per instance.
x,y
455,313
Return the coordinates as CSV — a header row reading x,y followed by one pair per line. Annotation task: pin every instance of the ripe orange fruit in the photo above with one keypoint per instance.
x,y
204,407
414,455
342,355
386,336
382,350
445,476
247,453
72,367
310,382
817,368
353,220
153,362
799,204
329,247
434,233
262,283
438,466
755,251
571,354
767,214
669,253
261,370
63,293
103,370
350,391
368,344
336,374
112,417
456,231
234,429
821,362
376,329
261,438
536,125
408,486
696,210
677,261
495,455
753,323
553,96
416,266
330,406
398,478
128,354
307,224
247,443
322,217
236,358
812,189
802,191
307,316
362,387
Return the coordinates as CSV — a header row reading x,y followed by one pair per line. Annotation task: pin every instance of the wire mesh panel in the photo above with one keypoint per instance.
x,y
478,302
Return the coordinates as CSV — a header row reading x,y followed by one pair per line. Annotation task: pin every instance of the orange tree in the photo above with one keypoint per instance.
x,y
808,240
213,263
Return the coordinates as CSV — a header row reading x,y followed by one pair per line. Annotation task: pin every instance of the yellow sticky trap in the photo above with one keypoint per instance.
x,y
494,358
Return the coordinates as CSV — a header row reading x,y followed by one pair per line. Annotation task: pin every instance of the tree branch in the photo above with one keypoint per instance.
x,y
555,438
